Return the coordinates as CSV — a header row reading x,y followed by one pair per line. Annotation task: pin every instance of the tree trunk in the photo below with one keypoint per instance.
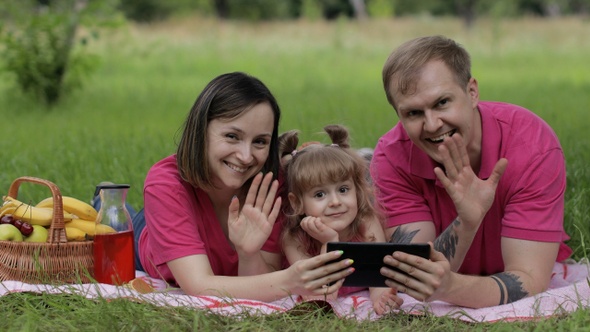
x,y
221,8
466,8
360,9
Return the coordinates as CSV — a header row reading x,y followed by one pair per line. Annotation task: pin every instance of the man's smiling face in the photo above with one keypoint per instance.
x,y
438,107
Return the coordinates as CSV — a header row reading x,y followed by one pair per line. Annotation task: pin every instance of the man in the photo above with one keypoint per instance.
x,y
483,181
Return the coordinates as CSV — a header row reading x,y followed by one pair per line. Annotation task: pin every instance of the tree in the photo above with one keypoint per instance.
x,y
360,9
145,11
221,8
39,39
467,10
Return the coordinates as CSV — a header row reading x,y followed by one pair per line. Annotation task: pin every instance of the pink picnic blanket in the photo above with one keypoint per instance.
x,y
569,291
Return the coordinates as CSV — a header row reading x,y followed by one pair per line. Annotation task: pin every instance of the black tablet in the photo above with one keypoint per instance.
x,y
368,259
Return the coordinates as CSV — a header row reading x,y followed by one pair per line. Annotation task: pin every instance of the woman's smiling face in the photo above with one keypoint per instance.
x,y
238,148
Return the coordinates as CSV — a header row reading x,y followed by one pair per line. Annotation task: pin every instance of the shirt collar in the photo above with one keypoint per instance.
x,y
491,141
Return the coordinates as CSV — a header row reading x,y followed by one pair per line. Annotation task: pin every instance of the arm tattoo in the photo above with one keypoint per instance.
x,y
514,290
447,241
501,286
401,236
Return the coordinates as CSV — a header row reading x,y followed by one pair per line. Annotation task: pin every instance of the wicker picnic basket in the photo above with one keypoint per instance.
x,y
56,261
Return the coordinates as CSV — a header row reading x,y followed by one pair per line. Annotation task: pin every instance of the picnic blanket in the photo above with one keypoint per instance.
x,y
569,290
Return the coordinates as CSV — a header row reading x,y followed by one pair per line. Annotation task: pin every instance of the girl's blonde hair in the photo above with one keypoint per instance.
x,y
318,164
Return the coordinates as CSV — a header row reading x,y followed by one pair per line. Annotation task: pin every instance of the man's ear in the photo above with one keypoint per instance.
x,y
473,91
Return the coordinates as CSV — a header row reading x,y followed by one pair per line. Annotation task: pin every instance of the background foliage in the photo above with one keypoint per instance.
x,y
43,46
146,10
43,42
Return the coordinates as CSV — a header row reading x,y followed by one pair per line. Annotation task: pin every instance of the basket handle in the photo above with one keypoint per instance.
x,y
57,232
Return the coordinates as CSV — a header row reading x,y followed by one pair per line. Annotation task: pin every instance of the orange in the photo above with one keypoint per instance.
x,y
140,285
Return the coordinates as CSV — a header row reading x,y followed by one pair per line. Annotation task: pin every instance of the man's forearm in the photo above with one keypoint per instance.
x,y
453,242
486,291
510,287
528,266
447,241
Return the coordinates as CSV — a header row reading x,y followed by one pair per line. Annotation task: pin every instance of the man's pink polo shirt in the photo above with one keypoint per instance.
x,y
529,202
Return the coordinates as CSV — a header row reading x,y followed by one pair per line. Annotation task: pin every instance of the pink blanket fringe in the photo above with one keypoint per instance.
x,y
568,291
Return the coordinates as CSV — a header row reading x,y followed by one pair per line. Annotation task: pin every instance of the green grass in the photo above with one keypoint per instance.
x,y
128,115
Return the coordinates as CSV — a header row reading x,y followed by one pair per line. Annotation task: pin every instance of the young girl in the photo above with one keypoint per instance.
x,y
331,201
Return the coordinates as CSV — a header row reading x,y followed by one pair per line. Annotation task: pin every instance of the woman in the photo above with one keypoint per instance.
x,y
212,222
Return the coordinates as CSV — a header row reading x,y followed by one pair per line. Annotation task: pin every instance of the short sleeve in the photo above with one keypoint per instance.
x,y
535,210
401,197
171,224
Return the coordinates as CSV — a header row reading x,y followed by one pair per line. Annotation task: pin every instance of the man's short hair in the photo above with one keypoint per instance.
x,y
403,66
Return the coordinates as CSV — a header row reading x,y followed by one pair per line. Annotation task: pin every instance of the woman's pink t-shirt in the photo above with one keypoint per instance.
x,y
180,221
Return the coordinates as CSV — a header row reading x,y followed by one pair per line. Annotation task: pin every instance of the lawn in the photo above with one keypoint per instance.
x,y
128,114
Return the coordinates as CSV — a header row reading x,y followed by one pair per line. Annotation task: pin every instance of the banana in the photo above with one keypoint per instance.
x,y
74,234
74,206
90,227
46,203
7,208
34,215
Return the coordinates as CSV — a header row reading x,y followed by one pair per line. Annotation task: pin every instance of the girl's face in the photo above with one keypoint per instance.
x,y
334,203
238,148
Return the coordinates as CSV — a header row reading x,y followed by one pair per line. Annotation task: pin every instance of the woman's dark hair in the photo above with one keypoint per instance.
x,y
226,97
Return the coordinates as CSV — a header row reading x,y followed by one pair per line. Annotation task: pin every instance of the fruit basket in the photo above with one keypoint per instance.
x,y
56,261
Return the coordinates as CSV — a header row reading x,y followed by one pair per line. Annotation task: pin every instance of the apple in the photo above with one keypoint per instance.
x,y
39,234
10,233
25,228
